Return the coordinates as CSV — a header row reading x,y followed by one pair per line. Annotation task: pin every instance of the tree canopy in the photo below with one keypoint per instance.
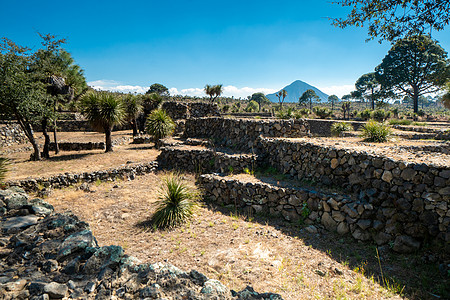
x,y
281,95
259,98
213,91
393,19
158,89
308,97
369,88
333,99
414,66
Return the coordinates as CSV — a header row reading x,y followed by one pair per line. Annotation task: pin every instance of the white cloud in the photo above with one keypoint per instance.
x,y
338,90
228,91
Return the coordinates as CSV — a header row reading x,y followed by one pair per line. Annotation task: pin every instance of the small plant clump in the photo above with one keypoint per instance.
x,y
176,203
338,128
160,125
376,132
322,112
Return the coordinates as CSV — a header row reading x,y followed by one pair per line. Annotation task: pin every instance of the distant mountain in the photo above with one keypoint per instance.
x,y
295,90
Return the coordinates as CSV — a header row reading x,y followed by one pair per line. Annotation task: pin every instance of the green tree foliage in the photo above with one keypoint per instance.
x,y
369,88
393,19
160,125
261,99
308,97
21,94
333,99
281,95
175,205
414,66
103,110
158,89
252,106
213,91
133,107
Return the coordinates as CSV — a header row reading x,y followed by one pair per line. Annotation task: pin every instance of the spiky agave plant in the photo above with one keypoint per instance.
x,y
176,203
160,125
376,132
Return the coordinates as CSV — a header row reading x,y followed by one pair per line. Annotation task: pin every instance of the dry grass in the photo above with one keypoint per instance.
x,y
227,247
80,161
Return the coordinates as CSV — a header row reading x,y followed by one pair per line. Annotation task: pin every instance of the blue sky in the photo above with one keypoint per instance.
x,y
248,46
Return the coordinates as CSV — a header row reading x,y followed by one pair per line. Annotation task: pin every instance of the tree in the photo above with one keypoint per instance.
x,y
369,88
346,106
20,93
213,91
308,96
445,99
281,95
103,110
414,66
252,106
133,107
393,19
159,89
260,98
160,125
333,99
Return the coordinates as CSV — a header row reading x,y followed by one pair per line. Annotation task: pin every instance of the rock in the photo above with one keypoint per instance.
x,y
387,176
408,174
90,287
342,228
328,222
364,224
107,256
382,238
19,222
405,244
311,229
198,277
16,285
213,287
76,242
56,290
361,235
50,266
153,292
334,163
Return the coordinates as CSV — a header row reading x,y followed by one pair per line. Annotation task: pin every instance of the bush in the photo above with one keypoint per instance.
x,y
376,132
176,203
4,162
322,112
400,122
380,115
339,127
159,124
365,114
252,106
304,112
284,114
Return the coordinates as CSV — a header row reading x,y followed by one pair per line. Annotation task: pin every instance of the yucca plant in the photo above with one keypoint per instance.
x,y
4,162
339,127
376,132
133,107
176,203
103,110
160,125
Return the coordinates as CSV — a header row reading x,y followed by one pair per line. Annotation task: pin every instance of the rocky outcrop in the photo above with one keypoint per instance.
x,y
45,255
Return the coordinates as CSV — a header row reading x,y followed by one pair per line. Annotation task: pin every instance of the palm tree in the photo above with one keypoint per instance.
x,y
281,94
103,110
159,125
213,91
133,107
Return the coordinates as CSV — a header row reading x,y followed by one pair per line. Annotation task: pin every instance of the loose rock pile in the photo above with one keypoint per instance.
x,y
53,256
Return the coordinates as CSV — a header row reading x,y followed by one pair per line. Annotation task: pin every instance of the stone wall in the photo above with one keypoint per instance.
x,y
418,195
178,110
205,160
11,133
47,255
242,134
323,127
405,227
66,146
68,179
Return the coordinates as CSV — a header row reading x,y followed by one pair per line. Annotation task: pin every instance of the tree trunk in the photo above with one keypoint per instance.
x,y
46,149
54,137
108,142
416,99
134,126
26,127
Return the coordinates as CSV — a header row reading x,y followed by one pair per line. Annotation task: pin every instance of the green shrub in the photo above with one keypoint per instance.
x,y
4,162
252,106
176,203
160,125
400,122
284,114
339,127
322,112
380,115
365,114
301,113
375,131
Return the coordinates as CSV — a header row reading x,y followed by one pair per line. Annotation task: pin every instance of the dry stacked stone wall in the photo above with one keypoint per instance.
x,y
409,198
11,133
243,134
323,127
178,110
402,227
